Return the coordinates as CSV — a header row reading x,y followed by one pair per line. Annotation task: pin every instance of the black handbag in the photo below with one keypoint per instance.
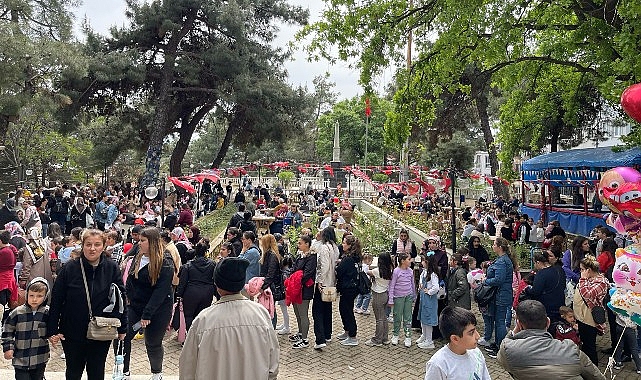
x,y
598,312
278,291
175,320
485,294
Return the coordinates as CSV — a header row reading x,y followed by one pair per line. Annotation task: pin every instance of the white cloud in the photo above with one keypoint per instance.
x,y
103,14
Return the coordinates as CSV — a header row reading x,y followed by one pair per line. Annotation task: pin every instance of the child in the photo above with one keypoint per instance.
x,y
362,300
428,308
23,338
628,328
475,276
401,297
458,289
487,317
460,358
526,281
287,266
567,328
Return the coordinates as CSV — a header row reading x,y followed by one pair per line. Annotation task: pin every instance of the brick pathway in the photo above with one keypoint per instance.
x,y
334,362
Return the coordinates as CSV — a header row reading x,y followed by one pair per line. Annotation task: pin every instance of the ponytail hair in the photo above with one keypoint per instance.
x,y
504,245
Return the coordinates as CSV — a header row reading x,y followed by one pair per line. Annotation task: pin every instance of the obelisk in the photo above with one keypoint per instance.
x,y
336,159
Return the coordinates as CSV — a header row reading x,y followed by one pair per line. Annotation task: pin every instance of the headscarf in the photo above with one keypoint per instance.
x,y
195,235
178,231
80,205
15,229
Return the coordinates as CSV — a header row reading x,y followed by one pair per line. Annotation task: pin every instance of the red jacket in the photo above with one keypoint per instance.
x,y
294,288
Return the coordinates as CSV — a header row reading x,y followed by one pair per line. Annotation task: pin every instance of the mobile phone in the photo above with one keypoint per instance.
x,y
137,326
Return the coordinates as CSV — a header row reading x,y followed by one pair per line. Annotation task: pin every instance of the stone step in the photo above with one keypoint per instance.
x,y
9,374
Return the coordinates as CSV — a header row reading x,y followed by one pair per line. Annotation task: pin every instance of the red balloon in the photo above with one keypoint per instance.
x,y
631,101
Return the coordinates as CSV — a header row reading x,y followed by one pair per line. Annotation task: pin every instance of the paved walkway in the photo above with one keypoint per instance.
x,y
334,362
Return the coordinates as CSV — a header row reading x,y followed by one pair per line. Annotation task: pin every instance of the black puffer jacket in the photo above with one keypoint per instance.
x,y
145,299
347,274
69,313
198,272
308,265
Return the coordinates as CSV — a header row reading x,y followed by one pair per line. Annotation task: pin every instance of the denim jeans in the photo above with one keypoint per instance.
x,y
363,300
508,318
629,339
488,327
500,331
403,315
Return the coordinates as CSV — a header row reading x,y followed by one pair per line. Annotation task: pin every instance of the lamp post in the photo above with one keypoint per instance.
x,y
452,175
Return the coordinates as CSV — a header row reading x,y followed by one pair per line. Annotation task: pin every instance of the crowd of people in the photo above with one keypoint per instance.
x,y
130,269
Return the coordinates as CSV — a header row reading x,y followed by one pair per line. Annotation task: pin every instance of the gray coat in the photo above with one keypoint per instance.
x,y
529,354
458,289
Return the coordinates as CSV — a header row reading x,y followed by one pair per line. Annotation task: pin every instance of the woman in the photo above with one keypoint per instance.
x,y
226,250
548,287
234,237
79,213
380,295
193,235
306,262
69,312
403,245
150,298
8,284
572,258
347,286
507,231
590,293
182,244
477,251
327,255
270,269
196,287
499,275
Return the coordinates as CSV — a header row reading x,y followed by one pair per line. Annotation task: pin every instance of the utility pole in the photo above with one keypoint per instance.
x,y
405,160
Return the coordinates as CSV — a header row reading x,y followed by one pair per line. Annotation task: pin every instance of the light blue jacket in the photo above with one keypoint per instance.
x,y
252,255
500,274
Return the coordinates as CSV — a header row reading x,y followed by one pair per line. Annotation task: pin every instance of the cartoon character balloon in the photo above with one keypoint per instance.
x,y
620,190
626,297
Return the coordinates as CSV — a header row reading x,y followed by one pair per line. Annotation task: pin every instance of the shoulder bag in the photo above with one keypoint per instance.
x,y
100,328
485,294
328,294
598,311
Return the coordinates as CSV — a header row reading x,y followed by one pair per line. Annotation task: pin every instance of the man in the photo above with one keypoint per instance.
x,y
529,350
335,219
234,338
236,218
102,212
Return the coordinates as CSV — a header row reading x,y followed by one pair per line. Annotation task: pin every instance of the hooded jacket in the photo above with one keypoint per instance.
x,y
25,333
198,272
69,313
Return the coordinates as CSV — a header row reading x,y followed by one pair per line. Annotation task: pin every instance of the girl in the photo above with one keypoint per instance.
x,y
306,262
270,268
475,275
287,269
380,293
401,297
458,289
347,286
428,288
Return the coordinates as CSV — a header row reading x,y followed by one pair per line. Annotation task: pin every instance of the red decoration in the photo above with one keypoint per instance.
x,y
368,109
329,168
631,101
182,184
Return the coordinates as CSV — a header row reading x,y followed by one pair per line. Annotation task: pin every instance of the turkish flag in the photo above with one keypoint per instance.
x,y
368,109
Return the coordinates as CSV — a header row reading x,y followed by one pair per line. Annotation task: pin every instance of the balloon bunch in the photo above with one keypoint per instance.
x,y
620,190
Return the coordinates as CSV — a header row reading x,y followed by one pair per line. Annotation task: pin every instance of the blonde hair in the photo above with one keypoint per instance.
x,y
591,263
156,253
268,244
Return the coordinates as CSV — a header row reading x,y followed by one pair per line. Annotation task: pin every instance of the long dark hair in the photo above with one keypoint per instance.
x,y
385,266
354,248
432,264
505,247
577,252
328,235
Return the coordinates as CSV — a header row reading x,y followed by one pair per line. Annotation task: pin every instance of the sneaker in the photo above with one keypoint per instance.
x,y
303,343
366,312
343,336
639,372
386,342
408,342
394,340
373,344
350,342
327,340
390,319
283,331
618,365
319,346
296,337
492,348
126,376
156,376
425,345
493,354
483,342
358,310
139,335
421,339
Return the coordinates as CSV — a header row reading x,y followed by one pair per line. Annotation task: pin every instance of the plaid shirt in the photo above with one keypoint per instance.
x,y
593,290
24,333
117,252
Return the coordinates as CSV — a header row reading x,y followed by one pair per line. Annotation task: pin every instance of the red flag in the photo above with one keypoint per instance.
x,y
368,109
329,169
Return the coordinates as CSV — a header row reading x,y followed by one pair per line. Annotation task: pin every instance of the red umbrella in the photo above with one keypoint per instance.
x,y
182,184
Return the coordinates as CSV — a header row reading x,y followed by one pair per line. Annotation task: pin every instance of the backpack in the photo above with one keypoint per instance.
x,y
104,212
364,282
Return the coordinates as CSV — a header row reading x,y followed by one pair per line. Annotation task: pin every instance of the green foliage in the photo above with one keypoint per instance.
x,y
286,176
214,223
380,177
375,232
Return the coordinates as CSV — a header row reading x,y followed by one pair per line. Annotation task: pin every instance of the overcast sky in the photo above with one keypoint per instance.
x,y
104,13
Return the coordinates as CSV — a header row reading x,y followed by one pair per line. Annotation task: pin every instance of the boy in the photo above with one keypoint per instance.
x,y
363,300
23,336
460,358
567,328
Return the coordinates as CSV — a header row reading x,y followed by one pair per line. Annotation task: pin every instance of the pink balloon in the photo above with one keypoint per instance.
x,y
631,101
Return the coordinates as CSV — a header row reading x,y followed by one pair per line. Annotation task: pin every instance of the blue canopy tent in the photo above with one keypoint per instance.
x,y
576,168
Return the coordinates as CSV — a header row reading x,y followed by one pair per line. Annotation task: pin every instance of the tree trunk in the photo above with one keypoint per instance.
x,y
159,124
481,107
186,132
234,125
